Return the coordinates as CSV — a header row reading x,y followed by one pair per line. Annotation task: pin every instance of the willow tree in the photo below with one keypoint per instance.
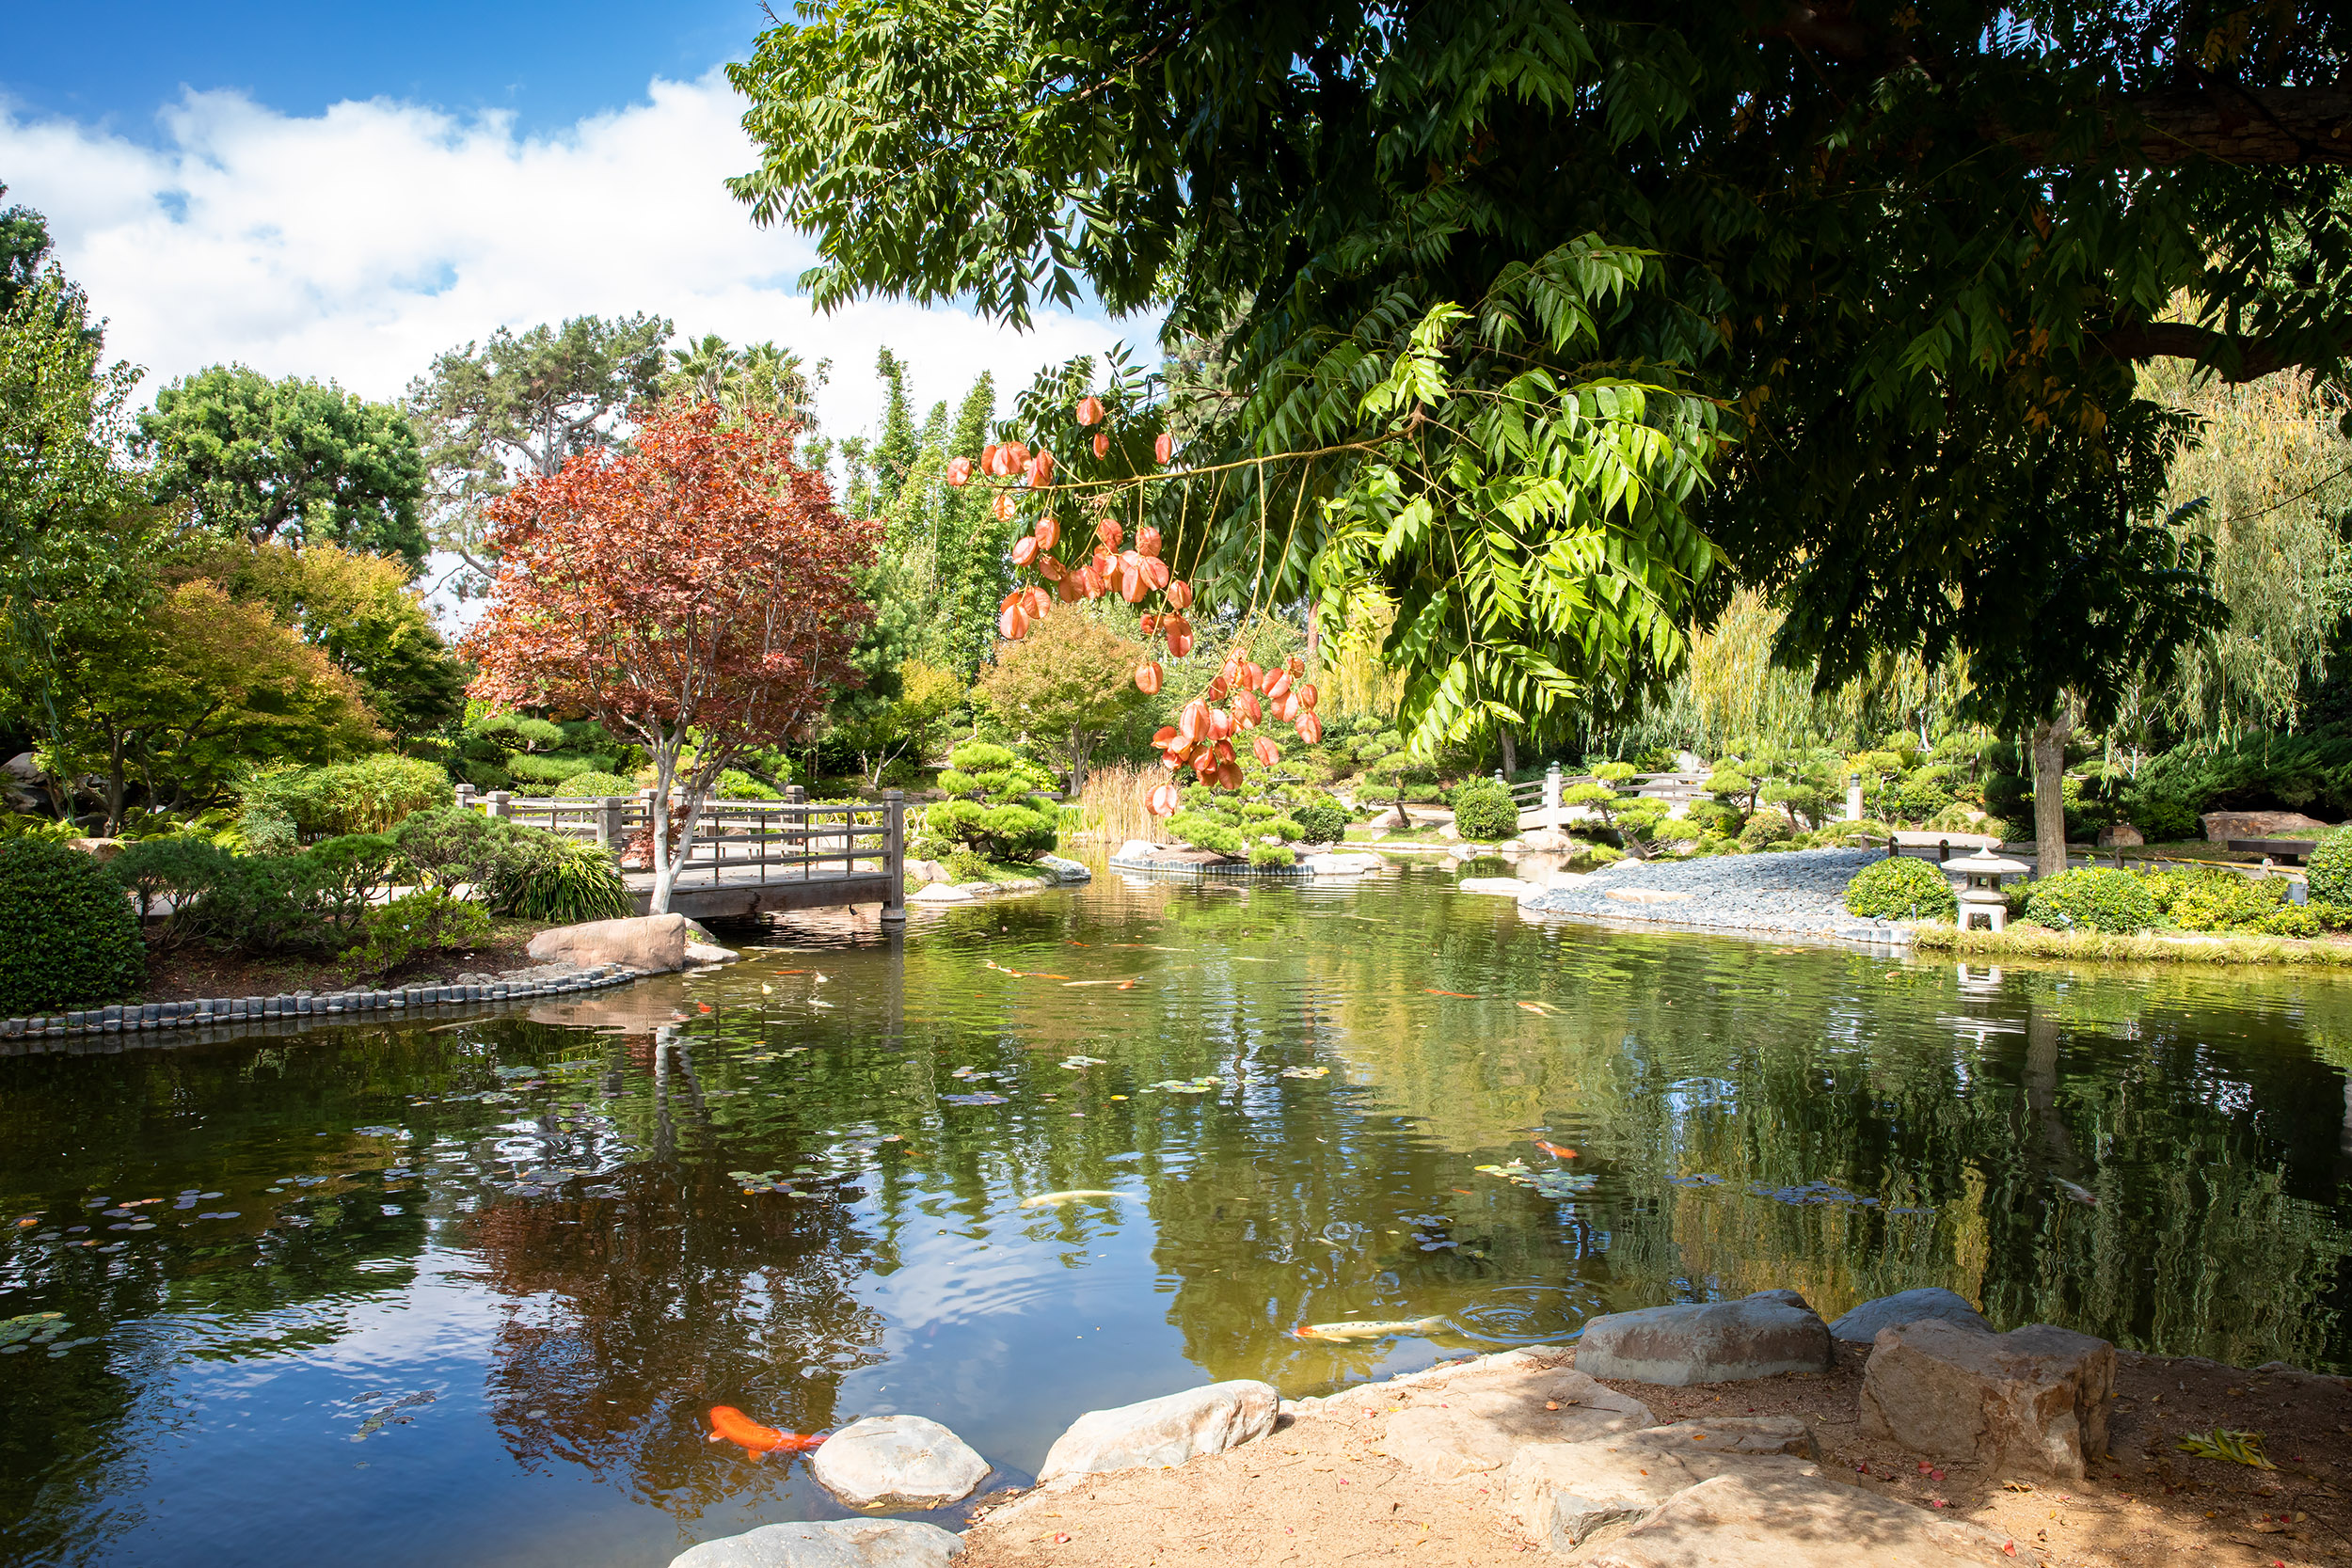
x,y
1542,325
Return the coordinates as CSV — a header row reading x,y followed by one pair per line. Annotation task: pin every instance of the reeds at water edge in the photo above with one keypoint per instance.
x,y
1111,804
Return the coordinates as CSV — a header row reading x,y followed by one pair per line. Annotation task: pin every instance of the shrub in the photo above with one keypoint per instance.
x,y
343,878
2328,872
1766,829
997,813
736,785
2331,917
2163,818
965,867
487,776
1204,831
1272,854
1321,819
2092,898
68,935
594,786
1285,829
2224,901
369,795
1483,811
228,901
263,830
545,875
1920,796
453,847
415,924
2300,921
1901,888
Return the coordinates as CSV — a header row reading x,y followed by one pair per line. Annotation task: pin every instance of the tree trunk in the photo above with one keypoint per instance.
x,y
2049,792
1078,750
116,786
1510,755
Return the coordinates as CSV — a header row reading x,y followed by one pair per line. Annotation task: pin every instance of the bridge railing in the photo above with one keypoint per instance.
x,y
735,842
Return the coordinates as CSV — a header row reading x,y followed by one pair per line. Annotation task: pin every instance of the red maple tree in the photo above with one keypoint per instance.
x,y
695,584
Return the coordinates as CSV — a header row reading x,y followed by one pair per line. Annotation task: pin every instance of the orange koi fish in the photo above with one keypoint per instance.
x,y
704,1007
730,1425
1433,990
1555,1151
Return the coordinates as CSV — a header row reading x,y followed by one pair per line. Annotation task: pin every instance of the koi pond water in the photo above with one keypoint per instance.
x,y
461,1295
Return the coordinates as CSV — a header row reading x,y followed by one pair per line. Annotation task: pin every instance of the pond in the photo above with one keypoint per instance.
x,y
462,1294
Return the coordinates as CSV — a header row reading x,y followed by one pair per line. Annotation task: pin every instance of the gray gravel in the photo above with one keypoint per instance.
x,y
1800,893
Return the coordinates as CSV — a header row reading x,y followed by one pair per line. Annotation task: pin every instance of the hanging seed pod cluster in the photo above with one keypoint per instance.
x,y
1241,698
1105,564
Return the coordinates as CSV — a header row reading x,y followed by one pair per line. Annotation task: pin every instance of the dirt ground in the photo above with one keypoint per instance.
x,y
192,972
1314,1495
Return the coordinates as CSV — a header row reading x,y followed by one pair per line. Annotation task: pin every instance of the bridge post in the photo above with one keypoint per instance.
x,y
611,830
501,802
465,797
895,854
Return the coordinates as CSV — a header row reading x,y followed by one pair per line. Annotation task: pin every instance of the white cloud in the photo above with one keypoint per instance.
x,y
358,243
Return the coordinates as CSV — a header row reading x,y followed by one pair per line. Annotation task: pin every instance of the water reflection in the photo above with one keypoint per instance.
x,y
494,1273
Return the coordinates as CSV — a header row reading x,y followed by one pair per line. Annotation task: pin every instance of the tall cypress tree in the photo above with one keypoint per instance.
x,y
974,571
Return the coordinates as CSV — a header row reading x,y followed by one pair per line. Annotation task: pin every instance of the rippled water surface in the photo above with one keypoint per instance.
x,y
462,1294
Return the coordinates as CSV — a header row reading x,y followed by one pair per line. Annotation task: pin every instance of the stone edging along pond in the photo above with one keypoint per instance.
x,y
16,1034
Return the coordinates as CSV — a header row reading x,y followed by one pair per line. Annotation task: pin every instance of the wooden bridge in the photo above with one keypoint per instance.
x,y
746,856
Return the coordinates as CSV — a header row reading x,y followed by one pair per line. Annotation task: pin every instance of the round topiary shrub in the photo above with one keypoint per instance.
x,y
2328,872
1901,889
1483,811
68,935
595,785
1321,821
2092,898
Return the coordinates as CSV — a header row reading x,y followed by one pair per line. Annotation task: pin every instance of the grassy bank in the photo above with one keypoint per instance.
x,y
2035,941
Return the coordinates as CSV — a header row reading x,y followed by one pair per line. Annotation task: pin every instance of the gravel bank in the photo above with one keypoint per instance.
x,y
1798,894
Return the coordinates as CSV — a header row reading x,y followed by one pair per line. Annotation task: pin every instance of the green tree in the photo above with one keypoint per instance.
x,y
74,544
973,571
199,689
909,721
758,375
364,614
524,404
1068,683
1592,300
258,459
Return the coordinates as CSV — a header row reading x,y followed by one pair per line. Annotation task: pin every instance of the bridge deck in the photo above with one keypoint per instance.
x,y
741,890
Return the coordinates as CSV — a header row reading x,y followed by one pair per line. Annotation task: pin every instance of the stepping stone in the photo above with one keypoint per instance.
x,y
1165,1431
1561,1493
2033,1400
1790,1521
897,1462
939,893
1763,1334
842,1543
1474,1419
1863,1323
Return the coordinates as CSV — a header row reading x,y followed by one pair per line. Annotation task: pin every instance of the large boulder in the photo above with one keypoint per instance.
x,y
1165,1431
1797,1521
841,1543
2032,1401
1862,1324
1762,1334
1561,1493
1462,1420
897,1462
2222,826
2121,835
650,943
1058,868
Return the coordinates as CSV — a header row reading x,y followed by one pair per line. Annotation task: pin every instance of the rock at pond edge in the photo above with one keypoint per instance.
x,y
1165,1431
1561,1493
1762,1334
1862,1324
840,1544
2032,1400
650,943
897,1462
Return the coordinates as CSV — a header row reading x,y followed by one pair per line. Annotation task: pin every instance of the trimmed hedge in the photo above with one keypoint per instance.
x,y
2092,898
68,937
2329,872
1483,811
1321,821
1901,888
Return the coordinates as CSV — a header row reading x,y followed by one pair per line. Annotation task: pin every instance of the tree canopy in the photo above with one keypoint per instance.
x,y
1543,325
258,459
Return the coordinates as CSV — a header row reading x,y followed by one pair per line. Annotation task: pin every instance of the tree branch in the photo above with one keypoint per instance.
x,y
2235,358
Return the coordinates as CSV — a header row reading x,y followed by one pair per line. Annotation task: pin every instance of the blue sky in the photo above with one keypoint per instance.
x,y
341,191
551,65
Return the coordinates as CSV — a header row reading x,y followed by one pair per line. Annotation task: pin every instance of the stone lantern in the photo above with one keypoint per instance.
x,y
1982,893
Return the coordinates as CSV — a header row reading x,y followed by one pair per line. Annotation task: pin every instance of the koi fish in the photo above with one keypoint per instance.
x,y
1545,1008
1374,1329
1432,990
730,1425
2080,1194
702,1006
1555,1151
787,971
1054,1200
1126,985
